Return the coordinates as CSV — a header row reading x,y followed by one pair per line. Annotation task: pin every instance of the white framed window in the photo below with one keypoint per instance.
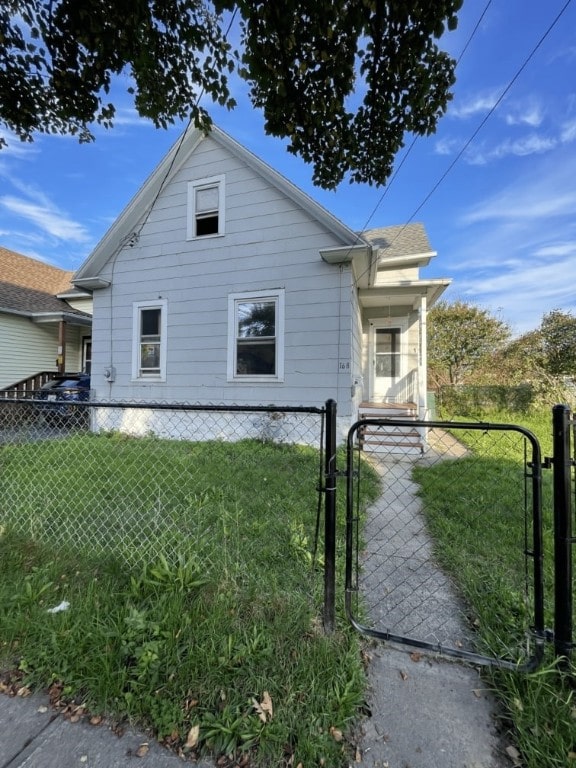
x,y
149,324
256,336
206,211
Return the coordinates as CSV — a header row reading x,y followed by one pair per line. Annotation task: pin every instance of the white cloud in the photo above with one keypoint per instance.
x,y
534,144
15,147
525,205
479,104
525,114
568,132
447,146
47,218
526,292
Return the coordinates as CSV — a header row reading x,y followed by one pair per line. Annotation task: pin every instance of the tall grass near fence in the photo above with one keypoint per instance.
x,y
191,587
540,707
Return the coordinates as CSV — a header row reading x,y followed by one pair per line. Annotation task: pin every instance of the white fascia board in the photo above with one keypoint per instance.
x,y
138,207
423,259
91,283
55,317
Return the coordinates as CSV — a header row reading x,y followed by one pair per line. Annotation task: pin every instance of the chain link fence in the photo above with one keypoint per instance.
x,y
143,482
457,527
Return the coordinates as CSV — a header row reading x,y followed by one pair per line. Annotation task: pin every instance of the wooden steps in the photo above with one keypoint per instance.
x,y
390,438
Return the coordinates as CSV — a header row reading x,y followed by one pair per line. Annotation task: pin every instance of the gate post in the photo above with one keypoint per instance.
x,y
330,519
562,473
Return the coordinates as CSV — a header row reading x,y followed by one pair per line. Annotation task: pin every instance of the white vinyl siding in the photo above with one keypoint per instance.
x,y
149,340
28,348
271,245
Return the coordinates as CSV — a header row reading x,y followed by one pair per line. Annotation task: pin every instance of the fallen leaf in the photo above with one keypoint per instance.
x,y
403,675
42,709
266,704
571,755
96,720
477,692
415,656
193,735
358,755
23,692
142,750
336,734
264,708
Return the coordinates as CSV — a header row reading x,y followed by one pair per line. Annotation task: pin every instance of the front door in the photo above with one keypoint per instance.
x,y
87,354
386,361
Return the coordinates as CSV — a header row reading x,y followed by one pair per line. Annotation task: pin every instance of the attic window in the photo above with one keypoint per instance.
x,y
206,207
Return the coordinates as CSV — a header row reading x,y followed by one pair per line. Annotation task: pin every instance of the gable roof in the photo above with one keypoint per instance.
x,y
29,287
135,213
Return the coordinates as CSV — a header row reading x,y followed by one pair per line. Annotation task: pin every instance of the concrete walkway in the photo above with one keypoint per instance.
x,y
426,712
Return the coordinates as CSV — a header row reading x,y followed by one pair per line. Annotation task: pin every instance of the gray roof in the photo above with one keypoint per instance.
x,y
398,241
30,301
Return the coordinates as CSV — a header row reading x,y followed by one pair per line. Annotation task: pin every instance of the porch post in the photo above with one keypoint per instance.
x,y
61,359
423,360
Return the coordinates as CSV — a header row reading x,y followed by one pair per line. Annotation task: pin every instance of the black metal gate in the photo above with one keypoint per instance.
x,y
429,547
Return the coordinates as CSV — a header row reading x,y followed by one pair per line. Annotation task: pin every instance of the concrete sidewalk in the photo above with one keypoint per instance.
x,y
32,735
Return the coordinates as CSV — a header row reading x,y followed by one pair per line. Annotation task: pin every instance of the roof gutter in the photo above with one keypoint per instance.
x,y
91,283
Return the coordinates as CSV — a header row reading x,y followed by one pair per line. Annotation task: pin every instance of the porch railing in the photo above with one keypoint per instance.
x,y
26,386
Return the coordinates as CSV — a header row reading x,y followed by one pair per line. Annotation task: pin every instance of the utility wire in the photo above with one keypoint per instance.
x,y
415,139
482,122
132,237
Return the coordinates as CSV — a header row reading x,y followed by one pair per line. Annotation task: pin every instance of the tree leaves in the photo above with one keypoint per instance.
x,y
461,337
342,80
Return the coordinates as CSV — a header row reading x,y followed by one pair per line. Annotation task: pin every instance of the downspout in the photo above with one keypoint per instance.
x,y
61,359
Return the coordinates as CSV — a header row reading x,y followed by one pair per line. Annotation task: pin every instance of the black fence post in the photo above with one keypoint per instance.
x,y
330,519
562,466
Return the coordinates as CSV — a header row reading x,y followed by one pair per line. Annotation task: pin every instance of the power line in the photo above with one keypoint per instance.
x,y
485,118
415,139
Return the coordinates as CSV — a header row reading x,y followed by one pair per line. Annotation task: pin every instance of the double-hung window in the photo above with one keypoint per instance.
x,y
149,340
256,336
206,207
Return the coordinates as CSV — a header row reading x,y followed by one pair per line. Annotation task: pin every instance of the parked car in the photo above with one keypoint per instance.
x,y
60,395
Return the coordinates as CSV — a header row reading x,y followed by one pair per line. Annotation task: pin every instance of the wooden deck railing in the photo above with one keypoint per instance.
x,y
27,386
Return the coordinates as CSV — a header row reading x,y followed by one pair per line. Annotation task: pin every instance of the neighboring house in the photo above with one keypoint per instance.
x,y
45,323
223,283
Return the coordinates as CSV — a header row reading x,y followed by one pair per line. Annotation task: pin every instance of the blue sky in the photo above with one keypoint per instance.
x,y
495,186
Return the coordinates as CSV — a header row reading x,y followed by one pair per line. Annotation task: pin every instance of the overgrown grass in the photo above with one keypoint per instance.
x,y
472,508
200,639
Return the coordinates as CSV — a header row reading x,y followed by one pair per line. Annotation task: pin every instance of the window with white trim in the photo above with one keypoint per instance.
x,y
206,207
149,325
256,336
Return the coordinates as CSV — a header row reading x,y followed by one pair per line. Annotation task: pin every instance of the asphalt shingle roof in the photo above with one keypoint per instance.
x,y
28,285
402,240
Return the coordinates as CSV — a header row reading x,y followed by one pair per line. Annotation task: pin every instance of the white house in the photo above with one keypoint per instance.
x,y
223,283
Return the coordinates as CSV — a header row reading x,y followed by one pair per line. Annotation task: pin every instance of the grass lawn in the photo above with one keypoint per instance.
x,y
479,546
216,639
